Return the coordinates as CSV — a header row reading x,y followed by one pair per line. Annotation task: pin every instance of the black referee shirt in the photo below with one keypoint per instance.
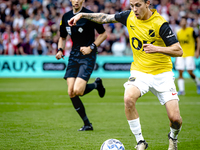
x,y
83,34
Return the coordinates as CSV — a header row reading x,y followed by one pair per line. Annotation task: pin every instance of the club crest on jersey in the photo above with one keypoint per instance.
x,y
152,33
132,79
69,30
80,29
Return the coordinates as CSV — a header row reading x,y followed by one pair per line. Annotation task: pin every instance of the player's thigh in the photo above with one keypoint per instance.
x,y
131,94
190,63
70,83
172,108
180,63
79,85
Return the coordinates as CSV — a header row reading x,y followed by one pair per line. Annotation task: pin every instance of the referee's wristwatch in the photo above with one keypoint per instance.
x,y
93,46
60,49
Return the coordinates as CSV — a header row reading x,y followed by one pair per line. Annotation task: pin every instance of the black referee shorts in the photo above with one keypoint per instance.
x,y
81,67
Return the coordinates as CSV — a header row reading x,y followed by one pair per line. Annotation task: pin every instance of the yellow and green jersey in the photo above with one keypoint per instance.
x,y
186,38
154,31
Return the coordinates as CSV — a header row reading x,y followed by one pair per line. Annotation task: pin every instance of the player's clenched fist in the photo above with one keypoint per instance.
x,y
59,55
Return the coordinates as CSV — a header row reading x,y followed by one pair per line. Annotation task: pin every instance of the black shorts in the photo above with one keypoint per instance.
x,y
81,67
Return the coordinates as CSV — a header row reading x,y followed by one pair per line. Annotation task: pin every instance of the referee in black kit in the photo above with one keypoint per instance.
x,y
82,57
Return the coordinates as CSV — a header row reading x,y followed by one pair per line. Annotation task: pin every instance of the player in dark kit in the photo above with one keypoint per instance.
x,y
82,57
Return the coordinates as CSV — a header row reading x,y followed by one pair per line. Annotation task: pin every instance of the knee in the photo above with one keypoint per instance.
x,y
129,101
176,121
71,93
190,72
75,92
78,92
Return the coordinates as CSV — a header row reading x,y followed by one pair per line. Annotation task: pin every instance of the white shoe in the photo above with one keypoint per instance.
x,y
141,145
172,143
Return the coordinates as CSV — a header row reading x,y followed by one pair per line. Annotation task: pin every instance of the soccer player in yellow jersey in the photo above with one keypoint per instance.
x,y
187,38
153,44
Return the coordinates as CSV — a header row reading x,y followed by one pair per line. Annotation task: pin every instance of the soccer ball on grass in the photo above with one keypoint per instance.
x,y
112,144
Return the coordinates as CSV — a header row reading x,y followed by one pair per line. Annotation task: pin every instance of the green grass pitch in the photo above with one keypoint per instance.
x,y
37,114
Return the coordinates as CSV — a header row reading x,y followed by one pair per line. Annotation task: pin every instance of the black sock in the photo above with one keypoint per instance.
x,y
78,105
90,87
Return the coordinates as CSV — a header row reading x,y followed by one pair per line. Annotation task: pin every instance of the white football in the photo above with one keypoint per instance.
x,y
112,144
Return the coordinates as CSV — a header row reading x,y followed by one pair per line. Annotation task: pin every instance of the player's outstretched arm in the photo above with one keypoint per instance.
x,y
100,18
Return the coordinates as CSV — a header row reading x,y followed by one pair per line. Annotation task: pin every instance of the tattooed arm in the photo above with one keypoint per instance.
x,y
100,18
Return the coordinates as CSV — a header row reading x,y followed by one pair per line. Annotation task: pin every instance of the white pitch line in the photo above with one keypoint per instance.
x,y
139,103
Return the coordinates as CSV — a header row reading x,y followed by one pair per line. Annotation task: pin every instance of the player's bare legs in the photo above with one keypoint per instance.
x,y
76,87
132,93
70,83
191,74
79,86
173,113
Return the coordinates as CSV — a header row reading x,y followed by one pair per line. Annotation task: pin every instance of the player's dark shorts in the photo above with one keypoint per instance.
x,y
81,67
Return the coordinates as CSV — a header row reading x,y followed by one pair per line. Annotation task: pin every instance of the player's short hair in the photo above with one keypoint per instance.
x,y
145,1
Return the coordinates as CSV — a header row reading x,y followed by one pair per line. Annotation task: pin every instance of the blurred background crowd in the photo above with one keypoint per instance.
x,y
31,27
